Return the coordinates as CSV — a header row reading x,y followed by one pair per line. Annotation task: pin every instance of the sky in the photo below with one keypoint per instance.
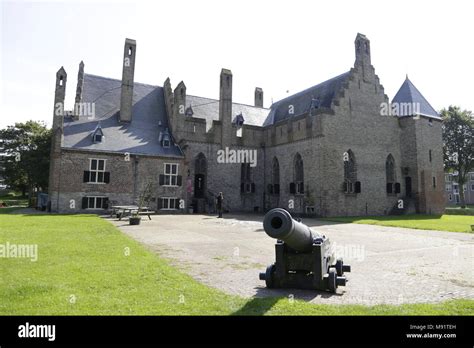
x,y
280,46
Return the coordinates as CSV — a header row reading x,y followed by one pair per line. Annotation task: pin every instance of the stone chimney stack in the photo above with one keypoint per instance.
x,y
225,106
126,98
80,83
258,97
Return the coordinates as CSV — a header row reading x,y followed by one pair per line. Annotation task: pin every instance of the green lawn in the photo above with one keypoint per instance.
x,y
450,223
83,269
456,210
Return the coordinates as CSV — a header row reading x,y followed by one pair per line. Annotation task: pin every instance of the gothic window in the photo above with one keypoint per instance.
x,y
351,185
246,184
297,186
274,186
390,174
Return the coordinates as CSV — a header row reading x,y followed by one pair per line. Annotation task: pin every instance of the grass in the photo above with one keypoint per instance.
x,y
450,223
86,266
469,210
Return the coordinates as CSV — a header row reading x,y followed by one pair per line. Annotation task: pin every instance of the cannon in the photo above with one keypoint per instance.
x,y
304,259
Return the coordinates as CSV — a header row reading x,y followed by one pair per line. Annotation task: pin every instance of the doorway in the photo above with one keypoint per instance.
x,y
199,185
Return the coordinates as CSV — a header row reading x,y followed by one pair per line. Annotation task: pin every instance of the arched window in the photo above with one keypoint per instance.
x,y
351,185
392,185
297,187
274,186
246,184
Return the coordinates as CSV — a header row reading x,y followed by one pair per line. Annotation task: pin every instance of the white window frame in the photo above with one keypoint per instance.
x,y
171,177
95,202
448,187
167,199
450,197
96,171
472,187
471,176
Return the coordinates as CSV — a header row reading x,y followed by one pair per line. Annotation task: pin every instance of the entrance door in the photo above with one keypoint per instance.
x,y
408,186
199,185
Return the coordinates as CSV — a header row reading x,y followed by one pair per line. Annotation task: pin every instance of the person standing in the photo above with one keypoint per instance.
x,y
219,203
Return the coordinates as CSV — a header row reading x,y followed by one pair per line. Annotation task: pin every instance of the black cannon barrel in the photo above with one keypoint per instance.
x,y
279,224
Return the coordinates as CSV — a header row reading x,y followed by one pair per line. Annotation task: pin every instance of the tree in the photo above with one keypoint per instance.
x,y
458,148
26,146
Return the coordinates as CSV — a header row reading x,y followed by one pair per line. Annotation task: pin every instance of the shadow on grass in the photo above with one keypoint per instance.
x,y
266,298
257,306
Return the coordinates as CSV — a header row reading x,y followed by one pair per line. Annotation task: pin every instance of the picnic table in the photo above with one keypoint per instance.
x,y
123,210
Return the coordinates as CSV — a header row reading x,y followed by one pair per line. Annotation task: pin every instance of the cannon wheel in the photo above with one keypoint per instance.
x,y
339,267
269,276
332,286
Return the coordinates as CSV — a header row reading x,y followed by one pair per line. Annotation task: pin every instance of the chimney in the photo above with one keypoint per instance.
x,y
258,97
225,106
126,98
80,83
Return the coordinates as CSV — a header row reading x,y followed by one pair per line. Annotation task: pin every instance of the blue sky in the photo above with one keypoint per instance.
x,y
277,45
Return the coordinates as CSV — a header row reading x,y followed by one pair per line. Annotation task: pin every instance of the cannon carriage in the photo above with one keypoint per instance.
x,y
304,259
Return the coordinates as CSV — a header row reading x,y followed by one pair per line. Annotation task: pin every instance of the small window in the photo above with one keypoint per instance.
x,y
471,176
95,203
169,203
60,80
98,138
472,187
430,121
166,143
448,187
130,51
430,156
171,174
97,171
450,197
434,182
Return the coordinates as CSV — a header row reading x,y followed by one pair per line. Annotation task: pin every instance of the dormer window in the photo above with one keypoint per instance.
x,y
315,103
97,134
189,111
239,120
165,138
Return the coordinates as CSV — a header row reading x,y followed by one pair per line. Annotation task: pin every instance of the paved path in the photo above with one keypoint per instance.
x,y
389,265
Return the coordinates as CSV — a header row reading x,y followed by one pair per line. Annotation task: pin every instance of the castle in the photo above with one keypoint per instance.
x,y
329,150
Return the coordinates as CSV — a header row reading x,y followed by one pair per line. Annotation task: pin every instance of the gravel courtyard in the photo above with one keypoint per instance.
x,y
389,265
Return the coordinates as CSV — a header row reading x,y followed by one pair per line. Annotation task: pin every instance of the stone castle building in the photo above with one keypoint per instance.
x,y
329,150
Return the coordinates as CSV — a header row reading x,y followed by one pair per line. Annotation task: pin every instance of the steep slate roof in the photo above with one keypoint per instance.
x,y
208,109
141,136
408,93
301,102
